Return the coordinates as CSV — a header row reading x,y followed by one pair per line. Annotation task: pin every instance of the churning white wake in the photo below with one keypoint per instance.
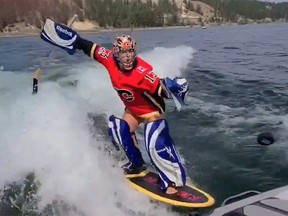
x,y
49,134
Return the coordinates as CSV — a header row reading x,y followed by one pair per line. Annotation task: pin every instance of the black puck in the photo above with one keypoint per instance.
x,y
265,139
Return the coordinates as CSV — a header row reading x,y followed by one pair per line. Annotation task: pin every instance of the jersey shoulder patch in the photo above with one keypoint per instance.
x,y
103,53
143,66
140,69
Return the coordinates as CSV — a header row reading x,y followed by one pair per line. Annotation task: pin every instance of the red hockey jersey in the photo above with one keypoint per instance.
x,y
139,88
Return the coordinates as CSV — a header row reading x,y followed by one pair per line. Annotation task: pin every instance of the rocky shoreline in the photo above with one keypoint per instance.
x,y
94,31
36,32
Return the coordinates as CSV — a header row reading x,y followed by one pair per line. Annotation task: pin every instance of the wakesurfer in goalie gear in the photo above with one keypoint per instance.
x,y
142,93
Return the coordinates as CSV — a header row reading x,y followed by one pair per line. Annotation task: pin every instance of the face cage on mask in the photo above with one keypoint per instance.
x,y
128,54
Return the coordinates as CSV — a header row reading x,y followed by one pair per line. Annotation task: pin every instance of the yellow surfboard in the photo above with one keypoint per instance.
x,y
187,196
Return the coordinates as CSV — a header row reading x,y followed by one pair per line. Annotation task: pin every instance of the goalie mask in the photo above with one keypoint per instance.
x,y
124,50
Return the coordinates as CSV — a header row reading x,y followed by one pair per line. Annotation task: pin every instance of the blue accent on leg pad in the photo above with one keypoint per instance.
x,y
163,154
119,132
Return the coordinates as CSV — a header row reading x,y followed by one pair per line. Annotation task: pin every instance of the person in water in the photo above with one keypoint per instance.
x,y
143,93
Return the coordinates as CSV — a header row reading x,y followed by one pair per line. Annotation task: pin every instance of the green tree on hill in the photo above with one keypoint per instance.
x,y
121,13
251,9
132,13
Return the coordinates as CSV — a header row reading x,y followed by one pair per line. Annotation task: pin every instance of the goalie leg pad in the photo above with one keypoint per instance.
x,y
163,154
119,133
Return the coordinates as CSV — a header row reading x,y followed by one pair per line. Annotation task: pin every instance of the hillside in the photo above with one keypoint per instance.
x,y
28,15
232,10
33,12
